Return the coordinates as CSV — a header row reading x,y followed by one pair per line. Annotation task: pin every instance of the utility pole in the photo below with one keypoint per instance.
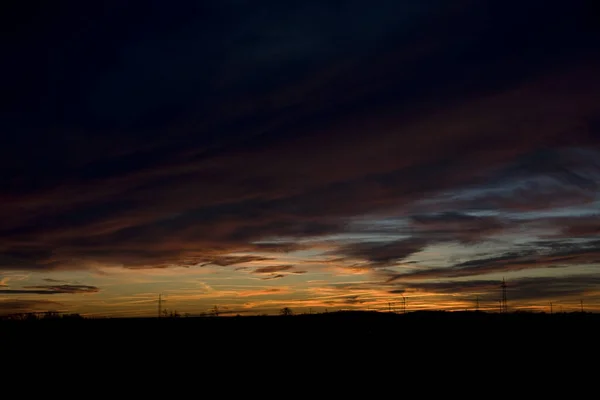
x,y
477,303
159,305
504,305
581,302
390,307
550,307
403,305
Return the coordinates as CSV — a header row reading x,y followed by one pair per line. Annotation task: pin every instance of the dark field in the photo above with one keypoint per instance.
x,y
331,330
238,354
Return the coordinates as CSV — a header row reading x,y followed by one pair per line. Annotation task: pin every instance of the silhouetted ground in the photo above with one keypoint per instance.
x,y
318,347
333,329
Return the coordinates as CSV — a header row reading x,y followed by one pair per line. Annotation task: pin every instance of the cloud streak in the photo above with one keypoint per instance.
x,y
547,255
52,289
272,268
518,290
20,306
382,254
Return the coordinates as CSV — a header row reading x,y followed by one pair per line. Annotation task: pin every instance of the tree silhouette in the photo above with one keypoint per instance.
x,y
51,315
72,316
286,311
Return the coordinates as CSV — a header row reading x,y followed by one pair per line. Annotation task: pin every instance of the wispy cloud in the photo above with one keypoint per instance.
x,y
51,280
544,255
273,268
19,306
521,289
52,289
382,254
262,292
274,276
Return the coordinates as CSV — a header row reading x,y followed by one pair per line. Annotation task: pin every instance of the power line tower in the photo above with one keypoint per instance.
x,y
477,303
159,305
503,302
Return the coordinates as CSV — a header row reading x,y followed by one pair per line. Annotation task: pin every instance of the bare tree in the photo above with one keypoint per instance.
x,y
286,311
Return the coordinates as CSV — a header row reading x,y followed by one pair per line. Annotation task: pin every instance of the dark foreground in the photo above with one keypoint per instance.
x,y
337,355
319,348
333,330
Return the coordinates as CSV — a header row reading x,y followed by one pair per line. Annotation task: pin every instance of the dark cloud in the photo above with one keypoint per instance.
x,y
274,276
178,135
541,255
273,268
21,306
454,226
382,254
224,261
345,300
553,288
275,271
452,287
574,227
52,289
530,197
425,230
521,289
283,247
355,286
538,180
589,229
76,257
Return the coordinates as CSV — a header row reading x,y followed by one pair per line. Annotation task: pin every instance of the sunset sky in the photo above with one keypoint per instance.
x,y
318,155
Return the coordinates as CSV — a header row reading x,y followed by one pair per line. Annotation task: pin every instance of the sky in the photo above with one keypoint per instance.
x,y
316,155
